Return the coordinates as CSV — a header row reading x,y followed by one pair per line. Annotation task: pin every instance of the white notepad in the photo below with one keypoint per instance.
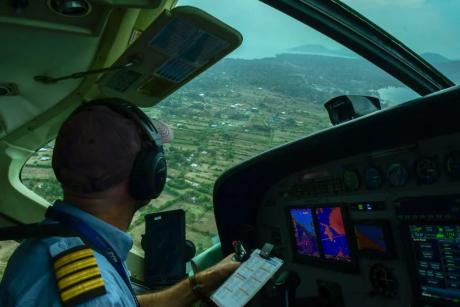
x,y
246,281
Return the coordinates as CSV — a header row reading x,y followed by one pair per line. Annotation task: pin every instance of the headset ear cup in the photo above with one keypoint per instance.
x,y
148,176
160,175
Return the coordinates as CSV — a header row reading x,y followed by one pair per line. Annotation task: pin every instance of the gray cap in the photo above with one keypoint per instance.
x,y
96,147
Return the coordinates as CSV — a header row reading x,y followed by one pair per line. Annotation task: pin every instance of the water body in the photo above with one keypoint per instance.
x,y
392,96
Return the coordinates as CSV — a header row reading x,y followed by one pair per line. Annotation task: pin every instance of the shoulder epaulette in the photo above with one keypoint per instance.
x,y
78,276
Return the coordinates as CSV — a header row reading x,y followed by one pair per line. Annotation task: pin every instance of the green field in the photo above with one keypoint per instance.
x,y
210,135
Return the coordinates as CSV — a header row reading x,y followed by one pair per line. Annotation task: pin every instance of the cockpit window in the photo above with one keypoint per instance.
x,y
38,176
268,92
6,250
430,28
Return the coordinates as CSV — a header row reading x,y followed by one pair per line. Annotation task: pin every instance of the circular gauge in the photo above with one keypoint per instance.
x,y
373,178
453,165
397,175
427,170
351,180
383,281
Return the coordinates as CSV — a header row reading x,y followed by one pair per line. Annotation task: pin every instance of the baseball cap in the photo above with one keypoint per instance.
x,y
96,147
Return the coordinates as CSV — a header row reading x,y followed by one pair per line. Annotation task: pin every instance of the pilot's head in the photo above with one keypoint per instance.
x,y
108,144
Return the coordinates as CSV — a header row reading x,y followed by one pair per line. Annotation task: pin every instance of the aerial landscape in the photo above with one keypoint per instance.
x,y
237,109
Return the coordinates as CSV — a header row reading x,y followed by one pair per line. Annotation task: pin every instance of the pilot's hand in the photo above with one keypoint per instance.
x,y
211,278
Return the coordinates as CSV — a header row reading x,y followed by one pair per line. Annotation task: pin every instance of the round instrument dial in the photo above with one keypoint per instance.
x,y
351,180
453,165
427,170
397,175
373,178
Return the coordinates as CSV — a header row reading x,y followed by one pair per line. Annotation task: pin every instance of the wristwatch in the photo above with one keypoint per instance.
x,y
197,288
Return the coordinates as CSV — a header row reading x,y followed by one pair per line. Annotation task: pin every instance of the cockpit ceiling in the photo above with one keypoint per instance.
x,y
31,52
37,41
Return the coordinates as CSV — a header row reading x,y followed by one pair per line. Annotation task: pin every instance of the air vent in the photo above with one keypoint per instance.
x,y
8,89
323,186
70,8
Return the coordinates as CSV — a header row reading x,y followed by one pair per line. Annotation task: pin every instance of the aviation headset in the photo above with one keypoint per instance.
x,y
148,175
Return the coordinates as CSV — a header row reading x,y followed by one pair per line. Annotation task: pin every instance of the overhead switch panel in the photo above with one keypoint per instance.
x,y
178,46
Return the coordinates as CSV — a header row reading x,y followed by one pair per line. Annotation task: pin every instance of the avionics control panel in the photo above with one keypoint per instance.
x,y
378,229
431,228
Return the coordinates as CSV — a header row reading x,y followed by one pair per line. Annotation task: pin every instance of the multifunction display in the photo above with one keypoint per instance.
x,y
370,238
320,232
374,239
332,234
305,232
437,253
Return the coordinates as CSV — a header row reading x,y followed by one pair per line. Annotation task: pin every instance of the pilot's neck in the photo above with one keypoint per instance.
x,y
112,207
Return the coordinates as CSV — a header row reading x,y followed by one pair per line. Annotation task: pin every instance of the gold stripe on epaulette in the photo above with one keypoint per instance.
x,y
78,276
61,261
74,278
75,266
80,289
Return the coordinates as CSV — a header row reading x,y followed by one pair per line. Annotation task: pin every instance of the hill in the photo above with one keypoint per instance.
x,y
450,69
314,78
434,58
321,50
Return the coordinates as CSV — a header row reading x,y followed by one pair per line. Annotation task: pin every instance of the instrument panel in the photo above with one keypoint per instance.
x,y
354,225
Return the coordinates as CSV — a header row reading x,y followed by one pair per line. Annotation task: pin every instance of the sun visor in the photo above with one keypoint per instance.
x,y
179,45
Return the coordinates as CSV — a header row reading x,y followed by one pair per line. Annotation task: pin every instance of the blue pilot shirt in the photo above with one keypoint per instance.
x,y
29,277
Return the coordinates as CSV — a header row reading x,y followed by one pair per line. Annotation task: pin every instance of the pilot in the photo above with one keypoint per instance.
x,y
108,157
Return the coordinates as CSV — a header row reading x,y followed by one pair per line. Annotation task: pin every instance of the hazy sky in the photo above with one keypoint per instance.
x,y
424,25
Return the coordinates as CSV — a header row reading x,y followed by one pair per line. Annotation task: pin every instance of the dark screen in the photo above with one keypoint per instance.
x,y
164,244
437,252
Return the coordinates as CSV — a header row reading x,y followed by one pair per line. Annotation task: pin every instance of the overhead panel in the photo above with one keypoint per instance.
x,y
178,46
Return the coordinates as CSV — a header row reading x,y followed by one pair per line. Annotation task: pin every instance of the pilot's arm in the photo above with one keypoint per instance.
x,y
65,272
182,294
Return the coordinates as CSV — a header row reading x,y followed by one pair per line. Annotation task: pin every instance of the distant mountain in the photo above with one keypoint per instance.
x,y
315,49
450,68
434,58
314,78
311,48
306,77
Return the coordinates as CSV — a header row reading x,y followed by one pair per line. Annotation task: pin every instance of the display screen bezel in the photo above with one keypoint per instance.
x,y
327,263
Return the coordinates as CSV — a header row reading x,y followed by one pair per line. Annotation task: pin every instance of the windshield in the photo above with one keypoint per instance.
x,y
429,27
268,92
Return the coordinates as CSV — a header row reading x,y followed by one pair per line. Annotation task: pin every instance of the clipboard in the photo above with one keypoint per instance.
x,y
246,281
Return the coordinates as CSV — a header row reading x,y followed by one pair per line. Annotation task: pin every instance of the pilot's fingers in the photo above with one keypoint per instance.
x,y
227,265
213,277
229,258
231,265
